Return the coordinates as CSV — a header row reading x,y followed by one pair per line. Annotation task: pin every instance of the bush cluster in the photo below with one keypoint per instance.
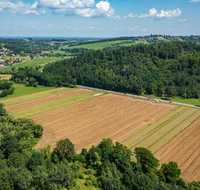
x,y
6,88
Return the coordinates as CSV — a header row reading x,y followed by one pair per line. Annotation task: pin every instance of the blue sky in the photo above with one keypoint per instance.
x,y
100,18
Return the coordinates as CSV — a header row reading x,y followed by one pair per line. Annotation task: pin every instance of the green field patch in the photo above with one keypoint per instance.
x,y
192,101
22,90
54,105
105,44
158,134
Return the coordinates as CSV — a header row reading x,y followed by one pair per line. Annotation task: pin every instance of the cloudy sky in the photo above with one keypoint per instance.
x,y
100,18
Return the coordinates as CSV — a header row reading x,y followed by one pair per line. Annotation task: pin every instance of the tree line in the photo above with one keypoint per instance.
x,y
163,68
107,166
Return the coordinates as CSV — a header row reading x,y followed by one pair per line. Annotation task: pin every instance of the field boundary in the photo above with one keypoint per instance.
x,y
154,100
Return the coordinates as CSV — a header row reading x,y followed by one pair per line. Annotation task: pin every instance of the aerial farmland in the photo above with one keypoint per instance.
x,y
86,116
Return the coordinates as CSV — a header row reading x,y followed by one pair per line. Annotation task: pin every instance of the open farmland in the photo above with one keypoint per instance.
x,y
87,116
184,149
105,44
32,63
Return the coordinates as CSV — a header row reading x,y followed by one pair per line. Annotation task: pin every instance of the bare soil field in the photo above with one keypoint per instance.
x,y
185,150
107,116
86,116
44,98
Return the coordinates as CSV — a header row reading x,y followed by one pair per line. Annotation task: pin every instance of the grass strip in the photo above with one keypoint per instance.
x,y
54,105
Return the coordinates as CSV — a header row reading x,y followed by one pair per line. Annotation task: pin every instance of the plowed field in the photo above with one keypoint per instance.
x,y
87,116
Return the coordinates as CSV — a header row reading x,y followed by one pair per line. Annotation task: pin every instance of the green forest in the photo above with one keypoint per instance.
x,y
161,68
107,166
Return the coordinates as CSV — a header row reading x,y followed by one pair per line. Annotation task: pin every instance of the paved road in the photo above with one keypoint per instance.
x,y
156,100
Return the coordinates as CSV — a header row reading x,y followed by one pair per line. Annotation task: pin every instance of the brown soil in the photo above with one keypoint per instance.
x,y
21,106
87,122
185,150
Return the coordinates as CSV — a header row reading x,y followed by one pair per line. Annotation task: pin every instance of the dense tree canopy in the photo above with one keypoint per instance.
x,y
161,68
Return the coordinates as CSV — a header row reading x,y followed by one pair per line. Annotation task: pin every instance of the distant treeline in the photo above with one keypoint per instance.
x,y
149,38
107,166
163,69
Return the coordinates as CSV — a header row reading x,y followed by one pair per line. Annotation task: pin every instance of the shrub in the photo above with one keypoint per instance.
x,y
6,88
64,150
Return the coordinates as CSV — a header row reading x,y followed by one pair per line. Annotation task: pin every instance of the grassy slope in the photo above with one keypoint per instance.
x,y
192,101
104,44
22,90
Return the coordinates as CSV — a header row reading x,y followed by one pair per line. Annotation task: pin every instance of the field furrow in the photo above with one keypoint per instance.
x,y
154,135
165,138
22,106
184,149
146,131
87,116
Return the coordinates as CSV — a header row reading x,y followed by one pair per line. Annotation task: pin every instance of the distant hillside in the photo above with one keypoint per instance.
x,y
97,45
162,68
128,41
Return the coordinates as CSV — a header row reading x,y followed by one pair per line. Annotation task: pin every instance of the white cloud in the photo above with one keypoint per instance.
x,y
84,8
154,13
164,13
67,4
104,8
87,12
18,7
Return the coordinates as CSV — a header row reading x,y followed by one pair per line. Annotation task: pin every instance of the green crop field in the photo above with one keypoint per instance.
x,y
192,101
105,44
22,90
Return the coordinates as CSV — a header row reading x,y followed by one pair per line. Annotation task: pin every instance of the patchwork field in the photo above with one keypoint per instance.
x,y
106,44
87,116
